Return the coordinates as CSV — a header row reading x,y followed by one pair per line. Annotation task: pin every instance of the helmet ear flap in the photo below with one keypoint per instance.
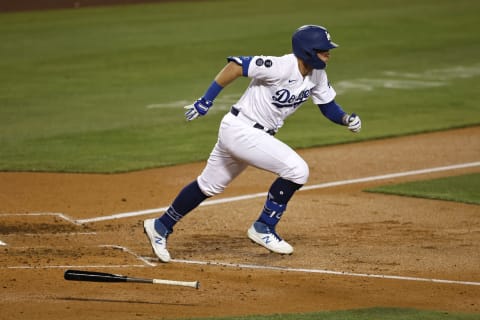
x,y
309,54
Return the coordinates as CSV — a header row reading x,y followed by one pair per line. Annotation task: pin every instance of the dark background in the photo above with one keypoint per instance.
x,y
25,5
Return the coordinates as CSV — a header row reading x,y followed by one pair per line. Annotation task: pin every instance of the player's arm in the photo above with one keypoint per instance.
x,y
227,75
335,113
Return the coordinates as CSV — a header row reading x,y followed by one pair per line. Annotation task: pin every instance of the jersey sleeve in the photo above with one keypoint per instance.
x,y
323,92
267,68
243,61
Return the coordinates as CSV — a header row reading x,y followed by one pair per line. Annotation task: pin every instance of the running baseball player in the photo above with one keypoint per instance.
x,y
246,137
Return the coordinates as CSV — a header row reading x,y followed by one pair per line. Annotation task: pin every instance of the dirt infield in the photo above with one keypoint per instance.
x,y
334,229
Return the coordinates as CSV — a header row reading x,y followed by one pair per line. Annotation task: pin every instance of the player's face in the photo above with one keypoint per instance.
x,y
323,55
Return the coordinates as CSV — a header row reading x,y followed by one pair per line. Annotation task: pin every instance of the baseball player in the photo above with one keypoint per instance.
x,y
279,85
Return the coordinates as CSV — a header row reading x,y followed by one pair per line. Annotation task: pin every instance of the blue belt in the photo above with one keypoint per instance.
x,y
271,132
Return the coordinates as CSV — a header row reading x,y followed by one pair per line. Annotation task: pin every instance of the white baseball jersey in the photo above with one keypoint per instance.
x,y
276,91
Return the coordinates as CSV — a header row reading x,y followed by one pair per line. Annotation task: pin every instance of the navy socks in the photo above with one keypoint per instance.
x,y
187,200
191,196
281,191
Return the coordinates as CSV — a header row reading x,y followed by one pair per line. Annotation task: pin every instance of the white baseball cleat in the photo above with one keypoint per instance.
x,y
157,233
265,236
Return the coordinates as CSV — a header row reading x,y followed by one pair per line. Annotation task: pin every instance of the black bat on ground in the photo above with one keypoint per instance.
x,y
80,275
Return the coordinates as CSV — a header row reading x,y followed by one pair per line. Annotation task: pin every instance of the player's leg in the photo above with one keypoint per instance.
x,y
263,230
159,229
258,149
220,170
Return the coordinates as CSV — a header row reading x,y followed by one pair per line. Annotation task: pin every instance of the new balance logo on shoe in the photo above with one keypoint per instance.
x,y
266,239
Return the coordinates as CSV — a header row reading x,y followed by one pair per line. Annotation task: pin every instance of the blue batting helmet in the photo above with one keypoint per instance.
x,y
310,39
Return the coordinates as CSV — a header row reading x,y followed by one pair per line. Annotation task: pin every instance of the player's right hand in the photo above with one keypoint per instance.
x,y
354,123
198,108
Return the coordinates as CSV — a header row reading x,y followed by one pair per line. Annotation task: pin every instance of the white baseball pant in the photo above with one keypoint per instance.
x,y
240,145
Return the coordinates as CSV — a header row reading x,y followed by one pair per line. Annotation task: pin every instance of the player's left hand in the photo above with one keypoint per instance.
x,y
198,108
354,123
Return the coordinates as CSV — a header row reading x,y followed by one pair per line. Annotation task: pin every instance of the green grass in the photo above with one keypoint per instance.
x,y
363,314
75,85
464,188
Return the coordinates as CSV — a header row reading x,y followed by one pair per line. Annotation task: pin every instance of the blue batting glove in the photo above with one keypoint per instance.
x,y
202,105
198,108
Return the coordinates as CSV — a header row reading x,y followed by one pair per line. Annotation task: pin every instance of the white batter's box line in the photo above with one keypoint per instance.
x,y
2,243
322,271
88,266
59,215
125,249
122,215
304,188
60,234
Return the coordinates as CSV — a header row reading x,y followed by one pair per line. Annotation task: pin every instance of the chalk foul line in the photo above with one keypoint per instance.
x,y
304,188
322,271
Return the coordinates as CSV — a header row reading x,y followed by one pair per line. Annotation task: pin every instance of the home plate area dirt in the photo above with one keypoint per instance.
x,y
353,249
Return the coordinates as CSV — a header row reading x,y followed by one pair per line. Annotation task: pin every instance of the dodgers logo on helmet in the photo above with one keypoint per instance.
x,y
328,35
